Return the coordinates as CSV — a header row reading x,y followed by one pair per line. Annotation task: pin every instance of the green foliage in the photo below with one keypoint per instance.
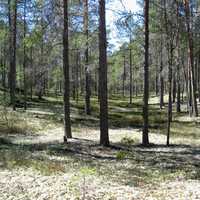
x,y
121,155
47,167
12,122
129,141
87,171
20,159
78,183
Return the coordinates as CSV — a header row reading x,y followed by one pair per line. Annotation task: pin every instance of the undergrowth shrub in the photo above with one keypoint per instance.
x,y
79,184
13,122
121,155
129,141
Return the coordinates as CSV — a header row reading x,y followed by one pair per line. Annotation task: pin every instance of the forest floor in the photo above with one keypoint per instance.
x,y
36,165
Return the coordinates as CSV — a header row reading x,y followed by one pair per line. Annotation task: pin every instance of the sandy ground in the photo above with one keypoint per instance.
x,y
26,183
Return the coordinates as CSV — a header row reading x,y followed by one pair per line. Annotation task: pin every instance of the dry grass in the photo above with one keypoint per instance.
x,y
40,166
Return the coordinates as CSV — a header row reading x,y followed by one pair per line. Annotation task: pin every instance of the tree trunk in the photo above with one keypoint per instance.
x,y
169,114
174,88
156,84
104,137
170,51
186,77
3,65
124,77
12,15
32,71
24,59
198,68
178,103
67,121
145,138
96,81
131,78
77,70
161,76
87,70
191,60
136,88
4,74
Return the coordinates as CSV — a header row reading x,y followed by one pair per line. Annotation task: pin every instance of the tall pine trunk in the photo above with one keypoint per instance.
x,y
77,78
145,137
12,15
124,76
24,59
32,72
104,137
174,90
178,102
161,76
169,113
131,77
67,121
87,70
191,60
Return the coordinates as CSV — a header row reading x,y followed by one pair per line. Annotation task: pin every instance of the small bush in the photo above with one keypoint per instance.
x,y
21,159
86,171
78,185
121,155
12,122
47,168
129,141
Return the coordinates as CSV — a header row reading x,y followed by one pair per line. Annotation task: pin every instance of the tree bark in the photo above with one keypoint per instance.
x,y
12,15
77,70
104,137
161,76
170,50
156,83
124,77
191,60
198,68
32,71
24,59
178,102
87,70
67,121
145,137
131,78
169,113
174,88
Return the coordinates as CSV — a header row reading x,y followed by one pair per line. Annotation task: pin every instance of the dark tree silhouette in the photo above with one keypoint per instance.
x,y
67,121
104,137
12,16
145,138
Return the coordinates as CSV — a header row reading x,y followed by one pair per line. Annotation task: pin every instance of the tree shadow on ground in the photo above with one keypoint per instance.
x,y
121,113
131,164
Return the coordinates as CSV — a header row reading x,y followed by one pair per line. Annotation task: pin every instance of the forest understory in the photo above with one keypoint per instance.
x,y
99,100
36,164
